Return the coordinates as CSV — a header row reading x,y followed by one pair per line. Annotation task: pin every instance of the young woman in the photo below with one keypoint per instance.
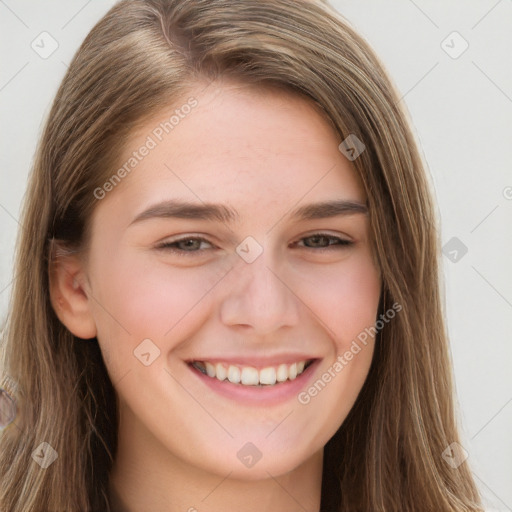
x,y
226,292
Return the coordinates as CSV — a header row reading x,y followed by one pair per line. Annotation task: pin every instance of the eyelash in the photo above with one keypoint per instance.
x,y
171,246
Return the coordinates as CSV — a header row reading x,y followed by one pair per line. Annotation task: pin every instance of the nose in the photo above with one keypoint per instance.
x,y
260,297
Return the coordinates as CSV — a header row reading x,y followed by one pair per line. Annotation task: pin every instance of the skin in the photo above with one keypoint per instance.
x,y
263,153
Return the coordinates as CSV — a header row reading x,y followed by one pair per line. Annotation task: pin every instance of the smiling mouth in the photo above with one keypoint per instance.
x,y
250,376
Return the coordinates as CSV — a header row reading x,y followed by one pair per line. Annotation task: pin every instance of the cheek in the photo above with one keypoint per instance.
x,y
150,297
345,301
344,297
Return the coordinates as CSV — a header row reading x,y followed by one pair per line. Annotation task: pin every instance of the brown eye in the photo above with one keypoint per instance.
x,y
324,241
184,245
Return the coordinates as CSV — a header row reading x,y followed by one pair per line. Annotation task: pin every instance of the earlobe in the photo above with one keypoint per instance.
x,y
68,293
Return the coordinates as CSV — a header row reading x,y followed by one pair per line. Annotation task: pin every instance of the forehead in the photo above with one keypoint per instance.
x,y
262,148
243,121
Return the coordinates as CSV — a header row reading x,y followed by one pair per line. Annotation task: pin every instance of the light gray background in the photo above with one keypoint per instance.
x,y
462,114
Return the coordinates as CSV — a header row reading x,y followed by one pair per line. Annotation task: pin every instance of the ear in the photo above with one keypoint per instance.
x,y
68,295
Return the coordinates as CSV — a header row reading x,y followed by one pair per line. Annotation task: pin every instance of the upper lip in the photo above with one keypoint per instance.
x,y
256,362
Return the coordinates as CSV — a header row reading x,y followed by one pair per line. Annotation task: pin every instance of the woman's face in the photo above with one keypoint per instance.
x,y
214,254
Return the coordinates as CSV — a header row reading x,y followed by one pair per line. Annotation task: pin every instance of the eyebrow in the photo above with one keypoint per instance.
x,y
220,212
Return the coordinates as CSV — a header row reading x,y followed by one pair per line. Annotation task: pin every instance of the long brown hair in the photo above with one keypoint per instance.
x,y
142,55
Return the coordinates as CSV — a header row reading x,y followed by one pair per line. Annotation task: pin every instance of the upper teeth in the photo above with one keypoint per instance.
x,y
250,376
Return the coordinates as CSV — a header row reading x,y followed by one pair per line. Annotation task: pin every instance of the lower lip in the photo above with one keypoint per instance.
x,y
260,395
